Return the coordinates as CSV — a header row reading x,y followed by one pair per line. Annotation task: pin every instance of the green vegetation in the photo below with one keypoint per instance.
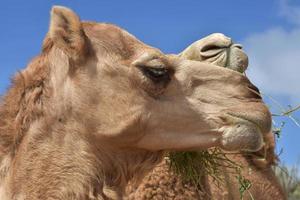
x,y
193,166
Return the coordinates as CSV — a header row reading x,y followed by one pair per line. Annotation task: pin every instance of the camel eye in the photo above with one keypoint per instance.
x,y
156,74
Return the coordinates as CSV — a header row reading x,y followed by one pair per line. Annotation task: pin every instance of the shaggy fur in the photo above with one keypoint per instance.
x,y
162,183
97,108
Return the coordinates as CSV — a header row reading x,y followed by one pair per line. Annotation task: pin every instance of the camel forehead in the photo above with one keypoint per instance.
x,y
114,38
104,30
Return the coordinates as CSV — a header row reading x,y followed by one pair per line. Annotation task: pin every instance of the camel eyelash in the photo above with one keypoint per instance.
x,y
156,74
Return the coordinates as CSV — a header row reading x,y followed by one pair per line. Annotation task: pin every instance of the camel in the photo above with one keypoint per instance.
x,y
163,183
98,108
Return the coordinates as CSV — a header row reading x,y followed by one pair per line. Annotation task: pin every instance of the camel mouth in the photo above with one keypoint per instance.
x,y
261,122
234,138
254,91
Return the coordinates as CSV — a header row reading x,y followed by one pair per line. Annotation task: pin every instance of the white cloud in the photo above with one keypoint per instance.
x,y
275,58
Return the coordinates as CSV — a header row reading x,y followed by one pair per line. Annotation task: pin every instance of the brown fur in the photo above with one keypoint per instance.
x,y
86,116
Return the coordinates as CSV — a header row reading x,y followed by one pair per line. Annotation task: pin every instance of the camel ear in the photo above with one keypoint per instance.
x,y
67,33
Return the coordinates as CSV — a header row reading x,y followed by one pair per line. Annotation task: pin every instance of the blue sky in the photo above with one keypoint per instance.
x,y
269,31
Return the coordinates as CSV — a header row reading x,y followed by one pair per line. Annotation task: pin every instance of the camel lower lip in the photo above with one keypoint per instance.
x,y
242,137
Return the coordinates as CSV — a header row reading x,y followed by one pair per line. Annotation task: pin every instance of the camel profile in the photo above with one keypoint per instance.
x,y
163,183
97,108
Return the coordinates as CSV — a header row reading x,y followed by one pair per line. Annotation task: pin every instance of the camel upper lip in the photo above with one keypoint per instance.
x,y
246,119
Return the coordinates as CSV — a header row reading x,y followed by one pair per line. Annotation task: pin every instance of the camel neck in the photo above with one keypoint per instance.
x,y
55,159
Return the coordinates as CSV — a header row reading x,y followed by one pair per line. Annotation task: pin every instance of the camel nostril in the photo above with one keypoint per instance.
x,y
239,46
210,47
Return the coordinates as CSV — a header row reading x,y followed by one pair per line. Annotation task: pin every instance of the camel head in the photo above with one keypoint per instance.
x,y
126,94
220,50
